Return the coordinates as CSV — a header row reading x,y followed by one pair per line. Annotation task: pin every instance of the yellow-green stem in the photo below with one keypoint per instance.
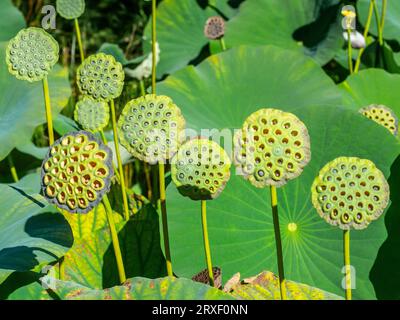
x,y
206,242
382,24
142,89
79,38
148,181
49,116
346,247
366,31
349,51
154,43
120,167
103,137
13,170
378,24
163,204
115,241
278,242
223,45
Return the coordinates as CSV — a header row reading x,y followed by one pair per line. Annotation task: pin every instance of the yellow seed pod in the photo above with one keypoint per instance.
x,y
383,116
272,148
200,169
350,193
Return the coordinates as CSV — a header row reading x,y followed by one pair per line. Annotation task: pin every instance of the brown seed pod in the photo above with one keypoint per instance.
x,y
214,28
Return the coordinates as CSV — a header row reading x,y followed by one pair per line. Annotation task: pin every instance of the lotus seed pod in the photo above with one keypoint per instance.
x,y
272,148
383,116
200,169
76,172
31,54
92,115
214,28
70,9
101,77
350,193
151,128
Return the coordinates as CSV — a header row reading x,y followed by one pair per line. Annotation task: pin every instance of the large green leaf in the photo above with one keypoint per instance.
x,y
22,104
31,233
392,19
91,261
143,289
314,24
12,21
221,93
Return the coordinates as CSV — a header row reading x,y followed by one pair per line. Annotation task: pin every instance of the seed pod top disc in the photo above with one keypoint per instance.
x,y
200,169
77,172
151,128
101,77
31,54
272,148
92,115
214,28
70,9
383,116
350,193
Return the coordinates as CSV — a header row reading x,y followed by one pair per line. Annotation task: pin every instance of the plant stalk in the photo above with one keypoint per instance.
x,y
115,241
142,89
49,116
13,170
349,51
378,24
206,242
79,38
278,242
153,45
222,43
120,167
346,247
382,24
103,137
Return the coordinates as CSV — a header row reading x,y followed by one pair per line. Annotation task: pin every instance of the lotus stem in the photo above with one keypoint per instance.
x,y
153,45
346,247
378,24
278,242
382,24
49,116
120,167
103,137
79,38
366,31
206,242
13,170
142,89
115,241
349,51
163,205
222,43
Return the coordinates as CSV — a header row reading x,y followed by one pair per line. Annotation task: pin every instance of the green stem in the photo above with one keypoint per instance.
x,y
103,137
378,24
79,38
278,242
346,249
163,204
349,51
366,31
206,241
382,24
148,181
13,170
120,167
115,241
223,45
142,89
153,44
49,116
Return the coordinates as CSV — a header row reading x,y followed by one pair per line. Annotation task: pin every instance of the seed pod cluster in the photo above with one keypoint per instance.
x,y
383,116
350,193
101,77
70,9
200,169
151,128
31,54
92,115
77,172
272,148
214,28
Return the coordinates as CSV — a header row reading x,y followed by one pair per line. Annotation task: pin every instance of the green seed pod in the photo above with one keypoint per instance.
x,y
350,192
77,171
151,128
214,28
31,54
383,116
200,169
101,77
272,148
92,115
70,9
